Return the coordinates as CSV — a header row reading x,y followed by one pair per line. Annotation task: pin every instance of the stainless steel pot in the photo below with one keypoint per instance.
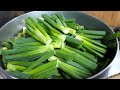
x,y
16,24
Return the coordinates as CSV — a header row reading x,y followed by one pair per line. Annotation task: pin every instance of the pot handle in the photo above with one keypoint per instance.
x,y
117,30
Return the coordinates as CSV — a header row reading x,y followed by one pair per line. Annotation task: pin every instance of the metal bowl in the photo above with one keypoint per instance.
x,y
16,24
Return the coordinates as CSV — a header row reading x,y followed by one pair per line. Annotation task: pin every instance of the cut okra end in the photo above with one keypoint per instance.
x,y
53,58
65,30
49,41
62,37
51,46
72,31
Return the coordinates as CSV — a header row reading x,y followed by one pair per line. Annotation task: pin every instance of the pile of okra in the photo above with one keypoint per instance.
x,y
53,47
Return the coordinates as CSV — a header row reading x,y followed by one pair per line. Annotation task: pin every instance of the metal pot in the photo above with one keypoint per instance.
x,y
16,24
5,16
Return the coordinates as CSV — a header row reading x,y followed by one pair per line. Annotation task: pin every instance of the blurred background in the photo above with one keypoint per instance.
x,y
110,17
